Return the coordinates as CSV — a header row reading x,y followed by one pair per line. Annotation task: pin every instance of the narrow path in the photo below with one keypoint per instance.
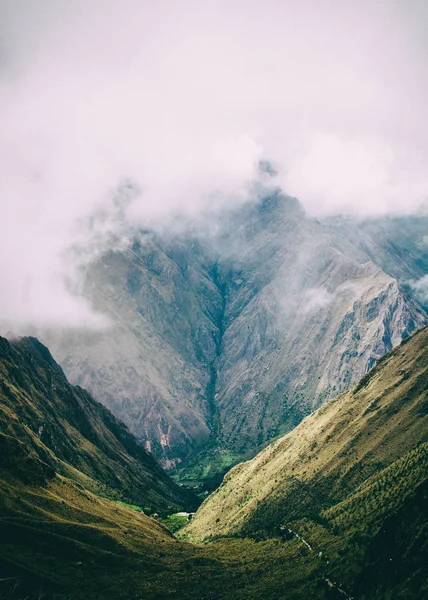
x,y
328,581
339,589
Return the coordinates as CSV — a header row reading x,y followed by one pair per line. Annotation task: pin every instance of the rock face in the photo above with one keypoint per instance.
x,y
219,343
398,245
153,367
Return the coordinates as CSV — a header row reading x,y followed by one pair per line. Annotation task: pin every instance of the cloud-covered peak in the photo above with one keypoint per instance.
x,y
187,100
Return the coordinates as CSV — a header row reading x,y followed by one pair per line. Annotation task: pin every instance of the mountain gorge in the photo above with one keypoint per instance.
x,y
214,300
223,341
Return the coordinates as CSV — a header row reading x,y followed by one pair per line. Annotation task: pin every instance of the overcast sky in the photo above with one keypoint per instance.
x,y
183,98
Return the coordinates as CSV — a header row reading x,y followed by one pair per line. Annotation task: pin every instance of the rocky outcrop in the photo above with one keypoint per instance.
x,y
306,322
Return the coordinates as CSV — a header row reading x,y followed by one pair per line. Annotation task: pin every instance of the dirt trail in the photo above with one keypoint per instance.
x,y
328,581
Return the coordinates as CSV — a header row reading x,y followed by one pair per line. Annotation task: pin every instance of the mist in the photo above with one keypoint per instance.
x,y
421,289
179,102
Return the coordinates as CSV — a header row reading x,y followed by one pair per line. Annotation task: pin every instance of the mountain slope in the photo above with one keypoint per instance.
x,y
336,449
222,342
64,429
350,482
59,540
304,321
399,245
346,519
152,367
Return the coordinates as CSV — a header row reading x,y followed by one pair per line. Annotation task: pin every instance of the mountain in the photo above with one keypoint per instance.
x,y
63,456
60,538
399,245
223,340
48,426
350,484
59,541
337,508
152,368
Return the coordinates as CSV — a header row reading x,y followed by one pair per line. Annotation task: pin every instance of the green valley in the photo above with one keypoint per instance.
x,y
337,508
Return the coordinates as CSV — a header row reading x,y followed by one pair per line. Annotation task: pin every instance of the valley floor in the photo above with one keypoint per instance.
x,y
61,542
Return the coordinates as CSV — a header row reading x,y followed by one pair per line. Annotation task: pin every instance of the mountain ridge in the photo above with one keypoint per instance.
x,y
343,483
70,433
345,442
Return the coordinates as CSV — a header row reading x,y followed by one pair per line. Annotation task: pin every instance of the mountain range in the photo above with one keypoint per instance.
x,y
225,337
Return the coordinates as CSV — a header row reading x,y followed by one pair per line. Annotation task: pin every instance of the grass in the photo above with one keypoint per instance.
x,y
174,522
65,541
333,451
76,436
129,506
350,481
339,477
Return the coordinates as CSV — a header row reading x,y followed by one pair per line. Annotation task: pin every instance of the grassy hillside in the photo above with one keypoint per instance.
x,y
60,542
344,481
62,539
74,435
335,509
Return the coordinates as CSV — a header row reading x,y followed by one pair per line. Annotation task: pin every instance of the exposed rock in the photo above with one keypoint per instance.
x,y
221,342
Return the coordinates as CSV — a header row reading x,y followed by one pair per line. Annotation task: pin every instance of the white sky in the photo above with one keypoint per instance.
x,y
183,98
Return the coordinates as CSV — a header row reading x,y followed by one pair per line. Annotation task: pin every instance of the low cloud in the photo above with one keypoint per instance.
x,y
420,287
184,100
316,299
358,176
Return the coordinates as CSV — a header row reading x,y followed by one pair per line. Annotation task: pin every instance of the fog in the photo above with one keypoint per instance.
x,y
180,101
421,288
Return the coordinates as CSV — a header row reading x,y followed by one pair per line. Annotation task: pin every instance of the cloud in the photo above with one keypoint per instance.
x,y
420,286
183,99
315,299
358,176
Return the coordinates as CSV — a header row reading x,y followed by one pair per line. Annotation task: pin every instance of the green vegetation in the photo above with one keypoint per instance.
x,y
205,471
59,542
339,478
129,506
75,435
337,508
174,522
